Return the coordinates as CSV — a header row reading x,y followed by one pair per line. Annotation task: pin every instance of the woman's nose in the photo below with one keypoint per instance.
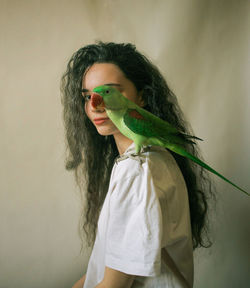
x,y
96,101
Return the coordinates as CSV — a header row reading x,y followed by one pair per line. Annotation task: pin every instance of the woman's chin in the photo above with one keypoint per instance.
x,y
104,131
107,128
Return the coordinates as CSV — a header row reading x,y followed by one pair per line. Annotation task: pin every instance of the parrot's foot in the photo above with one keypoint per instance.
x,y
133,156
141,149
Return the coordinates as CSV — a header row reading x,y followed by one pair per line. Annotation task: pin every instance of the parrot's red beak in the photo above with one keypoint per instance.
x,y
97,101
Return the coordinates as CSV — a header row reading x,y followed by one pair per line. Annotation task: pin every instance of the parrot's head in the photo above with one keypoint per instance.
x,y
112,98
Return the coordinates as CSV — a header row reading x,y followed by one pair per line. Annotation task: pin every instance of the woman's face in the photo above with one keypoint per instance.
x,y
103,74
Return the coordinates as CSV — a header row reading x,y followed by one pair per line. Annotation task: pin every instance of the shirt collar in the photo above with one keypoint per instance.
x,y
130,153
130,149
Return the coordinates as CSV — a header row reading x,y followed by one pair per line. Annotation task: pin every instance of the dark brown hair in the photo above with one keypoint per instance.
x,y
91,155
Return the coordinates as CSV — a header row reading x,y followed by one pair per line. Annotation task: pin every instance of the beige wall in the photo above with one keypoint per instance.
x,y
201,47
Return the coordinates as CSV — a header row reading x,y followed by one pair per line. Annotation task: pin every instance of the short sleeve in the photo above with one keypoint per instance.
x,y
134,232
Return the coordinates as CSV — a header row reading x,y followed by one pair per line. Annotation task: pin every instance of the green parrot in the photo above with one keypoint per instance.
x,y
143,127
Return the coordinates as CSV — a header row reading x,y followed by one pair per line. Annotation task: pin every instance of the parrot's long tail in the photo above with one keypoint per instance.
x,y
182,152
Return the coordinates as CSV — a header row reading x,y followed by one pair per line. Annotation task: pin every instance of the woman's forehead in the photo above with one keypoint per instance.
x,y
100,74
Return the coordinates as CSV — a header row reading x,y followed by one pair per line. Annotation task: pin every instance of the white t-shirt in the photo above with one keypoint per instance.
x,y
145,210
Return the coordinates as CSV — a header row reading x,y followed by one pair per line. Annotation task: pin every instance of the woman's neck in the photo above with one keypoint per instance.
x,y
122,142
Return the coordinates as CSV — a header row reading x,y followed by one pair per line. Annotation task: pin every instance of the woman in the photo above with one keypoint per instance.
x,y
146,213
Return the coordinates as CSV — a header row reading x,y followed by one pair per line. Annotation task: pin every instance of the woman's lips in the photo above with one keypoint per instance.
x,y
99,121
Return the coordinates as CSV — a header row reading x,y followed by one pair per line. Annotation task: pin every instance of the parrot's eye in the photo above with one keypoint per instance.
x,y
107,91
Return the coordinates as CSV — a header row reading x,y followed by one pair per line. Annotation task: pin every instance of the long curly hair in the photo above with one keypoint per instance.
x,y
91,155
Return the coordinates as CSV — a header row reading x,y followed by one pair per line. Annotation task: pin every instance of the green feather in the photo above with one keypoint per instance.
x,y
149,126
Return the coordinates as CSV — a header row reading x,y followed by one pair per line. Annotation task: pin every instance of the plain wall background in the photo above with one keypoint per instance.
x,y
201,47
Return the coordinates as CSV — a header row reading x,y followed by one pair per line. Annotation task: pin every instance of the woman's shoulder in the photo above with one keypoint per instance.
x,y
159,156
154,160
162,162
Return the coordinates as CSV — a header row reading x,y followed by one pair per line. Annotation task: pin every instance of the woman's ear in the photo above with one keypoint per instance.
x,y
141,102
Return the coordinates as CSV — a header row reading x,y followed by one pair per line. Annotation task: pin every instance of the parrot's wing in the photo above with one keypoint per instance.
x,y
138,121
146,124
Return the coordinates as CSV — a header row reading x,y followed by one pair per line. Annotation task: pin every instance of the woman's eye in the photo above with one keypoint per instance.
x,y
87,97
